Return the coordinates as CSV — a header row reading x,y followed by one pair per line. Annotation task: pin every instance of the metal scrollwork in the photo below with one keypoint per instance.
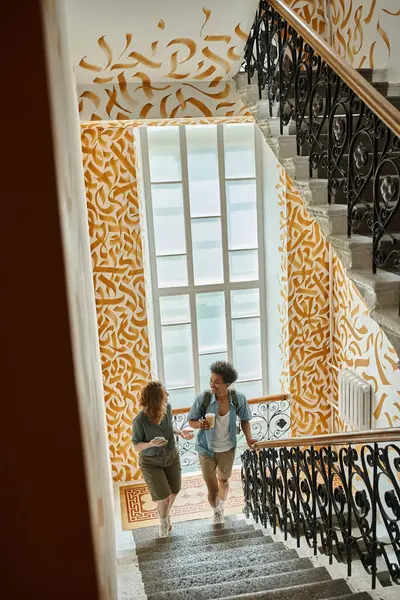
x,y
345,142
345,501
270,421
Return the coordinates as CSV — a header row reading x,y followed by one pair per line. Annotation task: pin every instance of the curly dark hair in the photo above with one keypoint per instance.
x,y
225,370
151,401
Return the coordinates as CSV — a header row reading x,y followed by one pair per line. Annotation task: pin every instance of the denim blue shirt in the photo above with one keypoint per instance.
x,y
205,438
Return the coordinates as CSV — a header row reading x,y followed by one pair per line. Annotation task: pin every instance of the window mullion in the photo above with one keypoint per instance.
x,y
261,258
225,246
152,253
189,252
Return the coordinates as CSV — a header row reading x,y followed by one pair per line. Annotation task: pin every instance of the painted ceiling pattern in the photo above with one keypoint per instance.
x,y
211,56
181,67
363,32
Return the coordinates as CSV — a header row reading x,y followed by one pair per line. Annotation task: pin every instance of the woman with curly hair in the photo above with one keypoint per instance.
x,y
153,436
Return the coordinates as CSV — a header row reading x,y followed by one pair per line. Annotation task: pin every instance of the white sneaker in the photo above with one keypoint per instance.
x,y
218,517
163,531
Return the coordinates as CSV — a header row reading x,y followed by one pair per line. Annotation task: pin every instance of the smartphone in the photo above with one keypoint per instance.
x,y
160,439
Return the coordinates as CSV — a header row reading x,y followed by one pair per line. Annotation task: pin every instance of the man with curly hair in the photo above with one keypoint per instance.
x,y
216,444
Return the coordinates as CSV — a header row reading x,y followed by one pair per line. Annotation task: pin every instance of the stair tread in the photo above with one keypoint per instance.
x,y
253,556
321,590
355,240
379,279
232,574
189,527
147,560
161,544
198,544
257,584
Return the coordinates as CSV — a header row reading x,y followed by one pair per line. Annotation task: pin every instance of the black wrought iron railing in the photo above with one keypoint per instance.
x,y
271,421
339,493
342,122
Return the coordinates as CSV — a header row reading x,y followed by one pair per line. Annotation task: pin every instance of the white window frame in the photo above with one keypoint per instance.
x,y
191,289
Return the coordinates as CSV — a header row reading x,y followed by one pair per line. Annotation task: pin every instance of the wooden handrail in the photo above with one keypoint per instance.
x,y
263,400
364,90
332,439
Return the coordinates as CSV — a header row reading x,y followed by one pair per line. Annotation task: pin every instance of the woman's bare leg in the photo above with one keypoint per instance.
x,y
163,507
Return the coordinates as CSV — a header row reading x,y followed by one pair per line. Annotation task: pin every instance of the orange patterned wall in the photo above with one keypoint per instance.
x,y
114,229
313,13
110,172
364,32
304,313
360,345
358,342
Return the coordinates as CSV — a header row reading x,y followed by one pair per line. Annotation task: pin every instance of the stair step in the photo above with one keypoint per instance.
x,y
331,217
257,555
197,552
314,191
194,527
220,535
229,575
244,586
297,167
354,252
355,596
321,590
176,544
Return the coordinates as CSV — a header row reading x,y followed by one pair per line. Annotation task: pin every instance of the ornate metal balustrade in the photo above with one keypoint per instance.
x,y
341,498
271,421
347,143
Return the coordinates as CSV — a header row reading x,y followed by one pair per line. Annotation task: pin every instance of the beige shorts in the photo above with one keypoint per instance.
x,y
220,464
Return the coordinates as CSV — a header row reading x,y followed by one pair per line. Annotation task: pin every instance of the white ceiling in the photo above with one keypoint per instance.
x,y
161,40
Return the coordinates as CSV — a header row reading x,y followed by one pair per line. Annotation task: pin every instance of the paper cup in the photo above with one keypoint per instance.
x,y
210,418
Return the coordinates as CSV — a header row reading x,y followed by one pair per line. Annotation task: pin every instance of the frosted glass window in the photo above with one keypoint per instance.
x,y
164,154
251,389
241,199
169,222
239,150
174,309
245,303
183,398
178,355
203,170
211,324
206,360
207,251
172,271
243,265
246,337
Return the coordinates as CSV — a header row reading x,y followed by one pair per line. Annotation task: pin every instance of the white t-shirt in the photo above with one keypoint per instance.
x,y
222,440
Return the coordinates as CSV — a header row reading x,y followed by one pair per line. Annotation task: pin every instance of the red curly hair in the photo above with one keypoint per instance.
x,y
152,401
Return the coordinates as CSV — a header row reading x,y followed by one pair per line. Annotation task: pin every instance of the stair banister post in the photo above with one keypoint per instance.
x,y
283,452
329,491
375,492
374,196
349,511
314,498
348,142
297,488
274,470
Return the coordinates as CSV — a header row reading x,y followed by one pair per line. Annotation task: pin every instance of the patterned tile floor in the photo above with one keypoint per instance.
x,y
138,509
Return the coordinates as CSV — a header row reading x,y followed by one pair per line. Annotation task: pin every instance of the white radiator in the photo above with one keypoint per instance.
x,y
355,400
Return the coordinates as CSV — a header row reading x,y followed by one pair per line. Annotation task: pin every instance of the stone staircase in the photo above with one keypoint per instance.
x,y
201,561
381,292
